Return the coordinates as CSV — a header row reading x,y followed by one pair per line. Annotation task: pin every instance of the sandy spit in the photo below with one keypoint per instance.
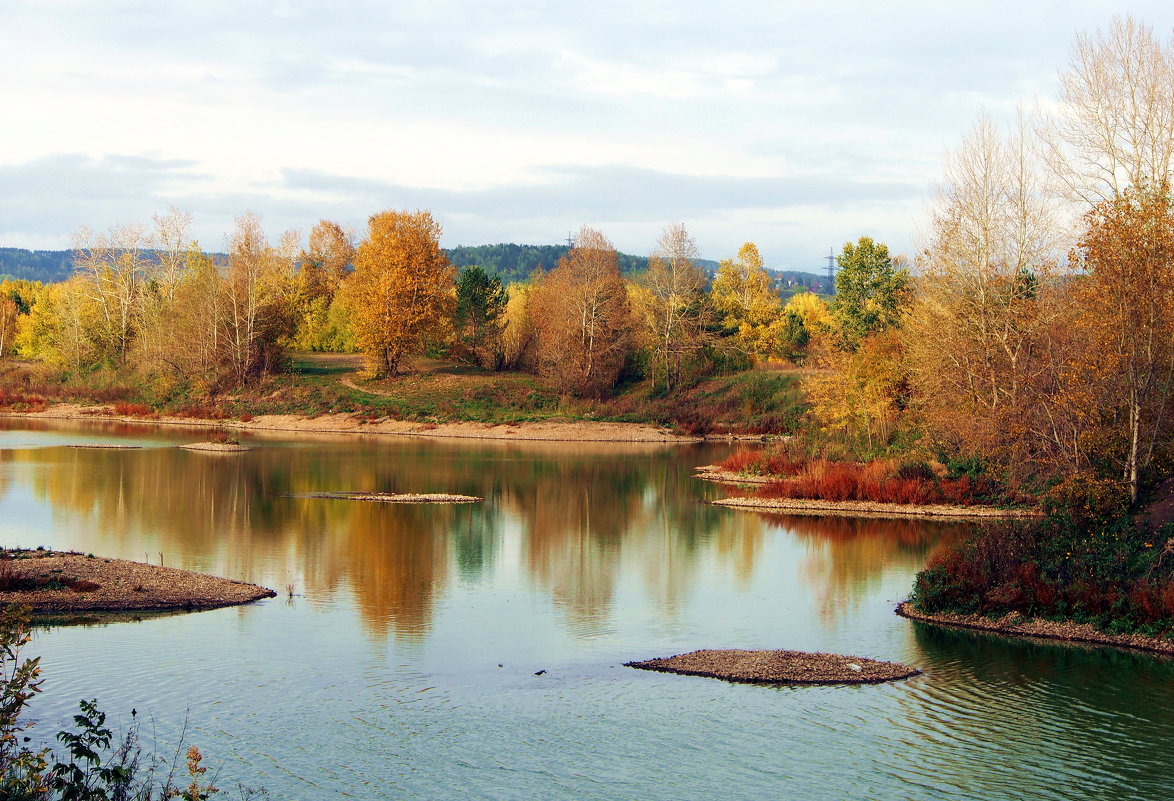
x,y
775,667
121,585
395,497
711,472
555,431
1015,624
870,509
215,447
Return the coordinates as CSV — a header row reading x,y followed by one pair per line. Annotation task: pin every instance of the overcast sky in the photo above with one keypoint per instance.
x,y
793,127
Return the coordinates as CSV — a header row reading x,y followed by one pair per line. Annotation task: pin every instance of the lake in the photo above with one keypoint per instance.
x,y
403,665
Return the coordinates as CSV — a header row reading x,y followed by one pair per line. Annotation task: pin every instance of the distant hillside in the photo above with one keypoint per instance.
x,y
515,262
46,266
508,261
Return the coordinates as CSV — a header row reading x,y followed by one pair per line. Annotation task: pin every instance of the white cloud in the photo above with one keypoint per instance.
x,y
649,111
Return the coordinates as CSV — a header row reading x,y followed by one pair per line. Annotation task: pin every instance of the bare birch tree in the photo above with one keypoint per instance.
x,y
973,334
114,266
676,312
1115,125
257,299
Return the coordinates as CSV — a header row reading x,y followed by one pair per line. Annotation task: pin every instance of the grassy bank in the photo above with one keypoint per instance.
x,y
429,391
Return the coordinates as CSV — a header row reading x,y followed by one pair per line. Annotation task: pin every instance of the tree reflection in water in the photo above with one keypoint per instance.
x,y
579,516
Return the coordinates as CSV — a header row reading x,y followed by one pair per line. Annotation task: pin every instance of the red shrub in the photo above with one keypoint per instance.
x,y
778,489
742,461
838,483
246,417
779,464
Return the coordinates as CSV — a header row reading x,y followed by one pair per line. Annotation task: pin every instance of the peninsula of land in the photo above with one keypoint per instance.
x,y
63,581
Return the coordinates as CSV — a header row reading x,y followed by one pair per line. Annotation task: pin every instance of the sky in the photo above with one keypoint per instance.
x,y
795,127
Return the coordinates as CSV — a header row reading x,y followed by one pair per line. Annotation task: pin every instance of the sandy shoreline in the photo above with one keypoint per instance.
x,y
551,431
83,583
871,509
778,667
1014,624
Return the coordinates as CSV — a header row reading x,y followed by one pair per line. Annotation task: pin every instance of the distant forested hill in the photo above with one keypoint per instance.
x,y
510,262
45,266
515,262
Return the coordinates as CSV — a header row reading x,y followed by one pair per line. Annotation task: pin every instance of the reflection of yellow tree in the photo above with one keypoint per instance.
x,y
587,514
846,555
398,555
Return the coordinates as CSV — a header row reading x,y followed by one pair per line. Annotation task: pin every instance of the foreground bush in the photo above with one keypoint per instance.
x,y
1116,576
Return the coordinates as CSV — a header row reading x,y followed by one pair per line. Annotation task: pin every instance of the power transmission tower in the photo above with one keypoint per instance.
x,y
831,271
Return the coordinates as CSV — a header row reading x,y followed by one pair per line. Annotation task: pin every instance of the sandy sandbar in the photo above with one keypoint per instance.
x,y
712,472
100,584
395,497
215,447
871,509
1015,624
777,667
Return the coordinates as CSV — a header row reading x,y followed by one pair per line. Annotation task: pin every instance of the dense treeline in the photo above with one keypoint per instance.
x,y
147,301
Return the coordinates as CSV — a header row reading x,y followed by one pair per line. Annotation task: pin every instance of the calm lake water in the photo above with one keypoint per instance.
x,y
403,667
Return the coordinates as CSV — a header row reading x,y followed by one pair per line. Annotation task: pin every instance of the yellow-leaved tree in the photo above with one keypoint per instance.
x,y
747,306
401,295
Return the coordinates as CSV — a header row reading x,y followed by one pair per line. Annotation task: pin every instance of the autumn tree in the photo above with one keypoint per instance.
x,y
580,311
188,339
113,267
258,298
870,291
860,396
674,307
1128,249
322,267
744,302
401,292
480,306
977,332
323,264
15,299
1114,125
519,334
171,245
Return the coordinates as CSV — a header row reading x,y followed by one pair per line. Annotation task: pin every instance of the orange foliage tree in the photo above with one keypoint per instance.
x,y
401,293
1128,248
580,310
